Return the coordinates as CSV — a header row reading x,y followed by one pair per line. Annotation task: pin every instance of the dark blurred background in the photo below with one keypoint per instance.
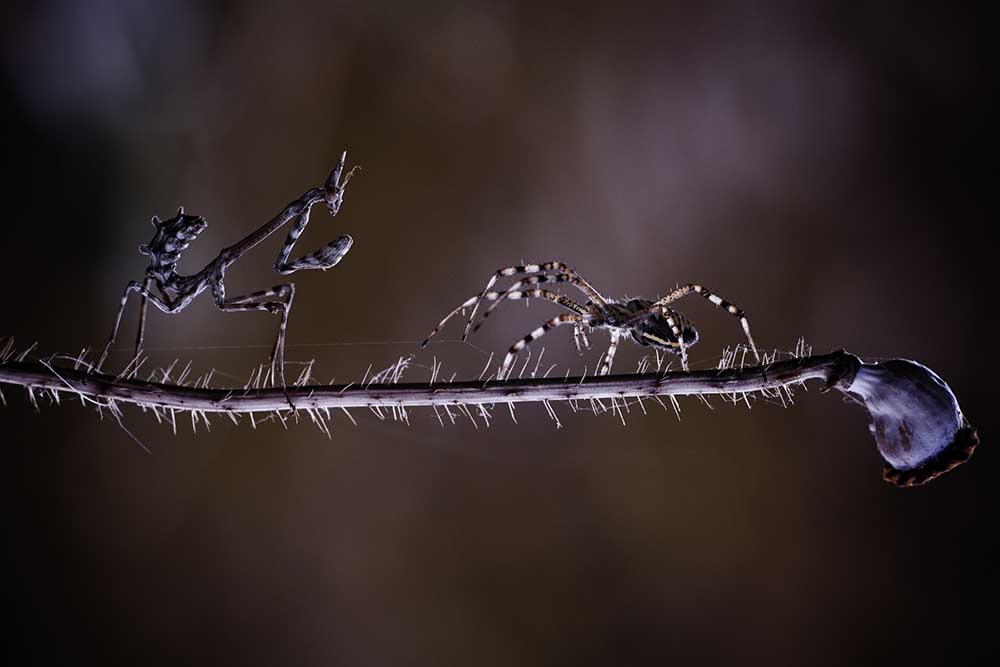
x,y
820,165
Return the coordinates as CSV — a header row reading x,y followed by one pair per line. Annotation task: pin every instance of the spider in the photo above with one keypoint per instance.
x,y
648,323
173,236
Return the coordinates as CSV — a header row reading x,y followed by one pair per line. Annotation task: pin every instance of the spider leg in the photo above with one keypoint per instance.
x,y
672,317
276,300
535,335
609,358
546,267
325,258
578,335
535,280
166,305
498,296
732,309
514,293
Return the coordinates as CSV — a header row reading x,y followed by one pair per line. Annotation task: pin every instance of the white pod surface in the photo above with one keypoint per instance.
x,y
915,418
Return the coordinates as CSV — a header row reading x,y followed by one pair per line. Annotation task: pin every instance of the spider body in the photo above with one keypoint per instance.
x,y
646,322
652,330
174,291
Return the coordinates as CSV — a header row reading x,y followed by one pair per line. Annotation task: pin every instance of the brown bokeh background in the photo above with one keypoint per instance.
x,y
819,166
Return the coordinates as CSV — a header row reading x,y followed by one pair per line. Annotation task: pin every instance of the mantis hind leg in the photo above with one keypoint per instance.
x,y
165,305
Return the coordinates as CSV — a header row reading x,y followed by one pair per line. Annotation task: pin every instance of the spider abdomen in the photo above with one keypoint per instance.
x,y
655,331
646,326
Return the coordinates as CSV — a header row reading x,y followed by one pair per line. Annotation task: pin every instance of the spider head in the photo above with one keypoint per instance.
x,y
171,238
656,332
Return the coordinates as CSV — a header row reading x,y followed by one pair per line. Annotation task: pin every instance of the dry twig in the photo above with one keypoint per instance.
x,y
915,419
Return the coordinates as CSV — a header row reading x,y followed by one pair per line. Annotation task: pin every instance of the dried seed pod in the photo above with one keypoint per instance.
x,y
915,418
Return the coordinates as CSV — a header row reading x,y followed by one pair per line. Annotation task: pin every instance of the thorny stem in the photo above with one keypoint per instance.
x,y
831,368
915,418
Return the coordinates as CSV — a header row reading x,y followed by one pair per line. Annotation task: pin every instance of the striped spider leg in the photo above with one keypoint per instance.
x,y
578,329
559,320
175,291
511,294
546,267
528,283
578,335
609,356
730,308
